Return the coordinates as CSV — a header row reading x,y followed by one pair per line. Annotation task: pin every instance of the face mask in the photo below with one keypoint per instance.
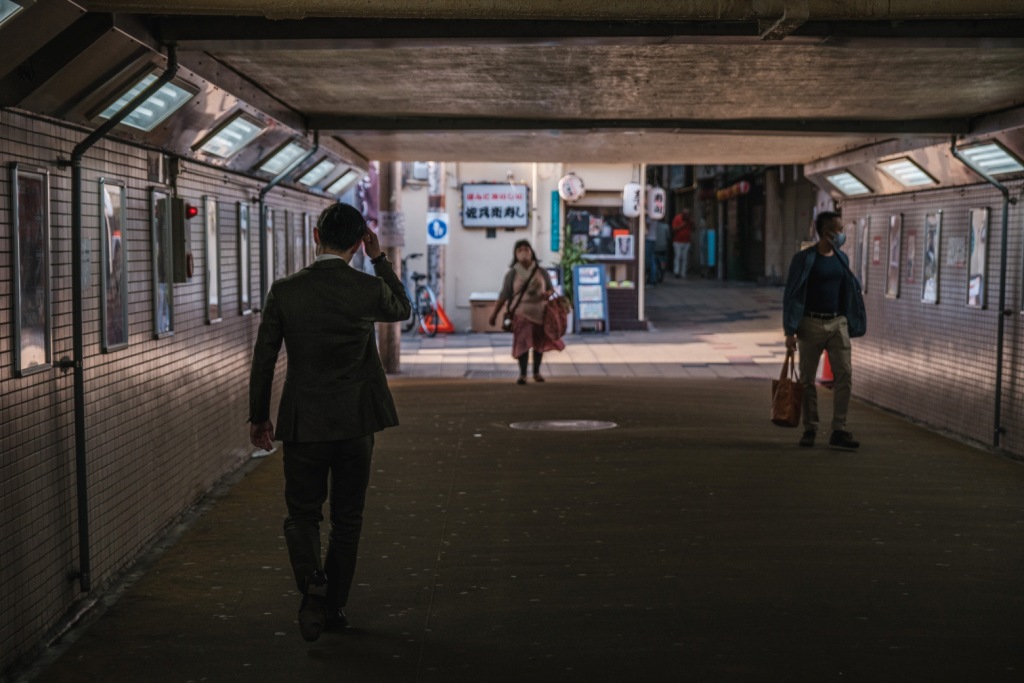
x,y
838,240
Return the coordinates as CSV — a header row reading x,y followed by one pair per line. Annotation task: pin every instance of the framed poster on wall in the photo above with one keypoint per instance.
x,y
977,258
113,266
930,263
214,313
163,267
892,273
864,225
30,232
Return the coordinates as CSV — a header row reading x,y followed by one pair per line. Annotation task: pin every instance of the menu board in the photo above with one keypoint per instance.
x,y
590,301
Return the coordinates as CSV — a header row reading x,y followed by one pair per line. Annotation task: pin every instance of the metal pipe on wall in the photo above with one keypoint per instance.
x,y
76,362
1003,313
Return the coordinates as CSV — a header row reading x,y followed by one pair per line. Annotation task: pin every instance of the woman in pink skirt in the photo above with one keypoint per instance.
x,y
526,290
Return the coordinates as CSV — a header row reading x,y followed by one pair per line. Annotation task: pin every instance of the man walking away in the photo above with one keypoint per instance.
x,y
335,398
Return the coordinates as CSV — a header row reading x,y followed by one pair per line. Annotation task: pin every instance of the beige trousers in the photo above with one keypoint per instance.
x,y
813,337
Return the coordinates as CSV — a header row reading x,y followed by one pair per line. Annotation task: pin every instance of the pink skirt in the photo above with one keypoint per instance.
x,y
527,335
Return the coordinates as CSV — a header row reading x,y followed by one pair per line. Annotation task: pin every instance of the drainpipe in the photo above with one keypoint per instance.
x,y
264,275
78,347
1003,313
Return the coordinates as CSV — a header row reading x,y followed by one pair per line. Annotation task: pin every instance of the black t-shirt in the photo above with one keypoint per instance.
x,y
825,285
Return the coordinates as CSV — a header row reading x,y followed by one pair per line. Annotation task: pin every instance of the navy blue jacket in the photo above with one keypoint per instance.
x,y
795,298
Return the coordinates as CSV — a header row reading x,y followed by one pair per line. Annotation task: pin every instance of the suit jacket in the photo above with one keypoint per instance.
x,y
335,386
794,298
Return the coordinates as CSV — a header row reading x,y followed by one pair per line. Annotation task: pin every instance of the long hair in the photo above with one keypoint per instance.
x,y
522,243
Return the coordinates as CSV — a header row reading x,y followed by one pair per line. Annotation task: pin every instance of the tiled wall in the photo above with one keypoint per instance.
x,y
936,362
165,418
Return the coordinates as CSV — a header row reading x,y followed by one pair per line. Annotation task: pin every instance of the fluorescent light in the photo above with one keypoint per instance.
x,y
846,183
907,173
346,179
317,173
236,134
284,159
155,109
8,8
992,158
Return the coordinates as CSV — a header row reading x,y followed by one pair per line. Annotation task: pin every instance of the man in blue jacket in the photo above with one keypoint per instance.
x,y
822,309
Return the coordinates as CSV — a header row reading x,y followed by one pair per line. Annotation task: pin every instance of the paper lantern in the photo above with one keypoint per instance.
x,y
570,187
655,203
631,200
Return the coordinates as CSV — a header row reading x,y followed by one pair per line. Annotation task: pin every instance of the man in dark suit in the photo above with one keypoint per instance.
x,y
335,398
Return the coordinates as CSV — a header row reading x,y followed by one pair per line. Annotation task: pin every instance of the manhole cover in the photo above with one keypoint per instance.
x,y
564,425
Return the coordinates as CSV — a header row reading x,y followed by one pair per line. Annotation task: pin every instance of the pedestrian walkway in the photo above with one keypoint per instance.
x,y
693,541
699,329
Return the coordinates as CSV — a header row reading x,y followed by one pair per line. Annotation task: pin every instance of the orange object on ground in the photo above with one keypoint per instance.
x,y
443,323
826,379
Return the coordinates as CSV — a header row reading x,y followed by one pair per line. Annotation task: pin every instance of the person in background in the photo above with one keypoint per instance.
x,y
682,233
335,398
651,251
526,289
819,314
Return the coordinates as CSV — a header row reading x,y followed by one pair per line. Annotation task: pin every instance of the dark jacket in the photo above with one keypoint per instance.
x,y
335,386
795,297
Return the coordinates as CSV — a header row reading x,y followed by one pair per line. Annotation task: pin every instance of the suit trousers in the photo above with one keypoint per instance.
x,y
312,471
814,336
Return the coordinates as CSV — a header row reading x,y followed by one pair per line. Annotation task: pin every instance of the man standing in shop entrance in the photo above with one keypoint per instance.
x,y
822,309
335,398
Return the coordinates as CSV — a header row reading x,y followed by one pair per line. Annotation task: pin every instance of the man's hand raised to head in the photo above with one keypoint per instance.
x,y
371,244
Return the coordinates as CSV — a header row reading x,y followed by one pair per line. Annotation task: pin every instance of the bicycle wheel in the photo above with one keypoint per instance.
x,y
426,308
410,322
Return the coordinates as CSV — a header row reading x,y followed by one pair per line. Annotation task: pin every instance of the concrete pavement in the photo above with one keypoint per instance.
x,y
693,542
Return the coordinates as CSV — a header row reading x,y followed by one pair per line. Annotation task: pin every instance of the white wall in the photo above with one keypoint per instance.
x,y
476,263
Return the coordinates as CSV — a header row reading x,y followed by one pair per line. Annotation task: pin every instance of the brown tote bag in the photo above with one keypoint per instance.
x,y
787,395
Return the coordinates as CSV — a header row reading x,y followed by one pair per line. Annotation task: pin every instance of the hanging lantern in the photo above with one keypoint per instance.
x,y
570,187
655,203
631,200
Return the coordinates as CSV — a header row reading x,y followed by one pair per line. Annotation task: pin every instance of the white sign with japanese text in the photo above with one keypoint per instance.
x,y
495,205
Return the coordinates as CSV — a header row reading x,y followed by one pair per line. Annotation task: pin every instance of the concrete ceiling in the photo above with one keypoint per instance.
x,y
699,82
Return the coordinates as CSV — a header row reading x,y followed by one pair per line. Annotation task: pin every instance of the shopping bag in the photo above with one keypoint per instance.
x,y
787,395
556,317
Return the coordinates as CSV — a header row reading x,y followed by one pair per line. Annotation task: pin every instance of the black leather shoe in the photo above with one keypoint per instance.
x,y
313,610
336,620
843,440
521,380
807,440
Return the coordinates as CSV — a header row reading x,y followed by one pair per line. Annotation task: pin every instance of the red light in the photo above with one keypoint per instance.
x,y
191,211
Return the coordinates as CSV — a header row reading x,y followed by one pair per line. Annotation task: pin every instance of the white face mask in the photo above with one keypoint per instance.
x,y
838,240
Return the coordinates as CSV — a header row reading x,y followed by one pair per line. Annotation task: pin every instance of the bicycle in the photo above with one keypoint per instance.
x,y
423,299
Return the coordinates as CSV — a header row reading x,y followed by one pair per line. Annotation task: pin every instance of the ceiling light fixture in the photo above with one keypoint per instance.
x,y
848,184
232,136
161,104
284,159
318,172
907,173
992,159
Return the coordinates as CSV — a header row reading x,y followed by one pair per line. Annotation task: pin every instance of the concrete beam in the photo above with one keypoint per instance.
x,y
680,10
341,122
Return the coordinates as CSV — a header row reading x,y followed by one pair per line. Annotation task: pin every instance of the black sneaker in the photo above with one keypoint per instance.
x,y
336,620
313,610
845,440
807,440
